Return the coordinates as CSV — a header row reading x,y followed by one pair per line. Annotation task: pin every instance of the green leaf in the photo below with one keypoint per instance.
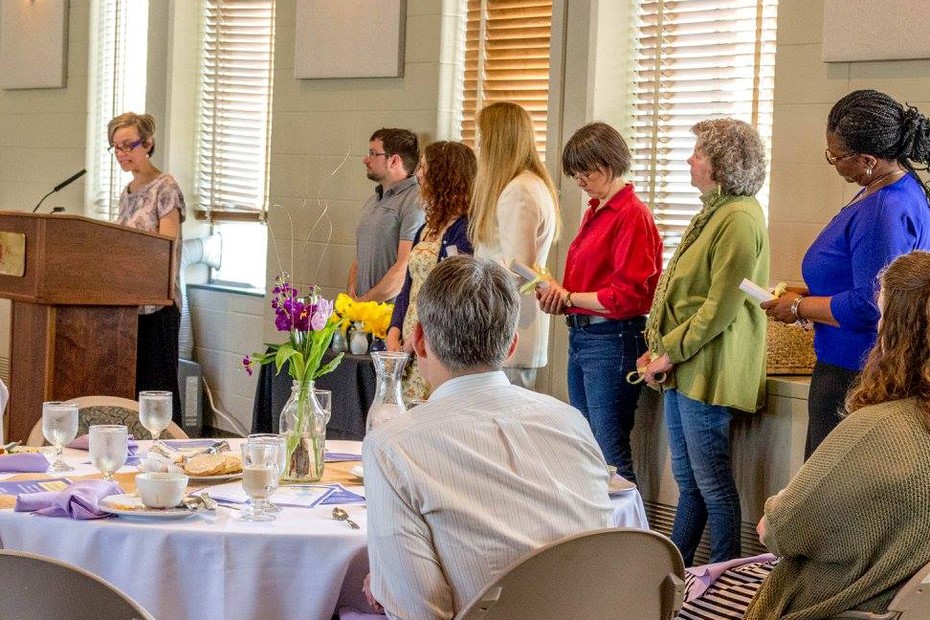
x,y
285,352
331,366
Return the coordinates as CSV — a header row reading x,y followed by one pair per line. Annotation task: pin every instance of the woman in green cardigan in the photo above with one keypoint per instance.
x,y
706,338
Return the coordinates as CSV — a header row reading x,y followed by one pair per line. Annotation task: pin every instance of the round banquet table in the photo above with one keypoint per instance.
x,y
213,567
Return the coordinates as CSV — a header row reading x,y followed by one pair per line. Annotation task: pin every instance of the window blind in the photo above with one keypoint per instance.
x,y
695,59
117,82
507,59
234,124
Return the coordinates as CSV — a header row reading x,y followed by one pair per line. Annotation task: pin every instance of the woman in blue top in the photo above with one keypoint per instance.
x,y
872,141
446,174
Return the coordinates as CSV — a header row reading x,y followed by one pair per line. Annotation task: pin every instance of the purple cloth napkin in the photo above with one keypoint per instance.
x,y
83,443
27,462
337,457
706,575
350,613
78,501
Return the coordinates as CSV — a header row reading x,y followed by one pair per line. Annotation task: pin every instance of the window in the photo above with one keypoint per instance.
x,y
694,60
234,132
117,81
507,59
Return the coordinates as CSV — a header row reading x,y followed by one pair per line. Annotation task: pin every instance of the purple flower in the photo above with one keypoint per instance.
x,y
247,364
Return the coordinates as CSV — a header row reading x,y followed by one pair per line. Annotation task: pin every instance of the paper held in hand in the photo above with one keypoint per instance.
x,y
534,278
755,291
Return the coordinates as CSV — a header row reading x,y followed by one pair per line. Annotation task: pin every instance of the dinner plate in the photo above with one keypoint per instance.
x,y
357,472
132,507
618,484
216,478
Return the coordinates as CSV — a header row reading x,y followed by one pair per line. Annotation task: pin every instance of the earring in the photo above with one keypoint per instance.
x,y
868,172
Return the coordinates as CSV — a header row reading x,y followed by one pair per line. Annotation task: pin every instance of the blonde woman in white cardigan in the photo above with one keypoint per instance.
x,y
514,216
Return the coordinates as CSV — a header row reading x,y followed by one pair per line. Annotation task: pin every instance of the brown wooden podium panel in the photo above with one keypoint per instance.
x,y
75,308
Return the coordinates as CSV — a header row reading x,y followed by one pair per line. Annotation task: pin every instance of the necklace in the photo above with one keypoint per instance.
x,y
882,178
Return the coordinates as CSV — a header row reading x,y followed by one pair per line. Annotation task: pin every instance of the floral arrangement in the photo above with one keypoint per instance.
x,y
373,317
311,324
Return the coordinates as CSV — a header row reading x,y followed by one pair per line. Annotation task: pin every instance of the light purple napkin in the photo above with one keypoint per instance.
x,y
350,613
706,575
83,443
337,457
78,501
27,462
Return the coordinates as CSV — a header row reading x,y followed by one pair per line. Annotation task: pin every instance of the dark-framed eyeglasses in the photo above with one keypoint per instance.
x,y
832,159
125,147
375,154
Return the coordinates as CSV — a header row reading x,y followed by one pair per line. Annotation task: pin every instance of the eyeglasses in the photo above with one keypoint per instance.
x,y
832,159
580,177
124,147
374,154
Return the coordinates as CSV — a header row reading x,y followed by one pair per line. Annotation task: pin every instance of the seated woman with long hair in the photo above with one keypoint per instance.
x,y
851,527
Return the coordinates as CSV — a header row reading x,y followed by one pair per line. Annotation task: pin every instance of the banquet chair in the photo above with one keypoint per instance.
x,y
35,586
619,573
912,602
107,410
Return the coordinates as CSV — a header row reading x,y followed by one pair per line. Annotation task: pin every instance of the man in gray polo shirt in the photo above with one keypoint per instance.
x,y
389,219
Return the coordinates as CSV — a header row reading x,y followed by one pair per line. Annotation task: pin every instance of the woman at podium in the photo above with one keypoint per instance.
x,y
152,201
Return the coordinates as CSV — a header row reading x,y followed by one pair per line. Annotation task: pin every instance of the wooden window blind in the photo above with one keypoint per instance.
x,y
695,59
234,124
116,84
507,59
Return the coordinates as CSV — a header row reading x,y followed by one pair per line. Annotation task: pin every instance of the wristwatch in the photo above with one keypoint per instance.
x,y
568,301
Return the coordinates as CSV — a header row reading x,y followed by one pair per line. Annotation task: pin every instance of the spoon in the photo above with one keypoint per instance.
x,y
341,515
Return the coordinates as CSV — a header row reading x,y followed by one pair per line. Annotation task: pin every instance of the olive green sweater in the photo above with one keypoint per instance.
x,y
712,331
853,524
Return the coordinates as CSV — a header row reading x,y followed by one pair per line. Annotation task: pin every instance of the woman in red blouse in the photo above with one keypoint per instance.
x,y
611,272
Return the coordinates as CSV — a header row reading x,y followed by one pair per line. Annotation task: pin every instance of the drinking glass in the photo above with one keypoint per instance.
x,y
279,441
59,426
325,399
155,412
261,469
109,444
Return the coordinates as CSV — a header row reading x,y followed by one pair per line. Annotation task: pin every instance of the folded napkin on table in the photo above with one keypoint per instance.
x,y
336,457
705,576
83,443
27,462
78,501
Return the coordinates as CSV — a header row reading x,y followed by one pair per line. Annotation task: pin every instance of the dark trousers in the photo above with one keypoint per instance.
x,y
157,355
826,402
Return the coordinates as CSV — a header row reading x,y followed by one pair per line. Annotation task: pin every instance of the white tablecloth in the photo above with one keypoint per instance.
x,y
215,567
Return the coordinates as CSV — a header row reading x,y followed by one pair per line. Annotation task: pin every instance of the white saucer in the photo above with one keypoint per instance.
x,y
216,478
357,472
132,507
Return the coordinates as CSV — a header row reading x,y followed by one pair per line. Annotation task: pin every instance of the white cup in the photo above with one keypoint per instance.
x,y
161,490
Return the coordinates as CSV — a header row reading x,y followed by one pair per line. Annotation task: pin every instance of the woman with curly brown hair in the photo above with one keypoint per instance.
x,y
446,174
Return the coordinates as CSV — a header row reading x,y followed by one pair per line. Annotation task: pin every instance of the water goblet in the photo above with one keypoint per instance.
x,y
155,412
59,426
261,469
279,441
109,444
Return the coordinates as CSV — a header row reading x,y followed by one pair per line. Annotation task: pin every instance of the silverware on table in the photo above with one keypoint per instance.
x,y
341,515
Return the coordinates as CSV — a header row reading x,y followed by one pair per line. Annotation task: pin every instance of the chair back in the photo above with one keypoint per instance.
x,y
39,587
107,410
912,602
618,573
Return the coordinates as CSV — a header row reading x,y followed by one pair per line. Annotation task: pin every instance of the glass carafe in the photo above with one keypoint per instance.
x,y
389,398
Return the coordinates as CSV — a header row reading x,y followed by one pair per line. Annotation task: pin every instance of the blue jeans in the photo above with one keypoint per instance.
x,y
699,440
599,358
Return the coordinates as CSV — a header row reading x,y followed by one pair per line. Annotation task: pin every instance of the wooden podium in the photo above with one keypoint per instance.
x,y
75,292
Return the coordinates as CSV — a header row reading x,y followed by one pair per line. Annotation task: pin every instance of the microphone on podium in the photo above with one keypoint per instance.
x,y
74,177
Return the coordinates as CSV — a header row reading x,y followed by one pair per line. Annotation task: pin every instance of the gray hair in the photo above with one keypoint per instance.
x,y
596,145
736,153
468,308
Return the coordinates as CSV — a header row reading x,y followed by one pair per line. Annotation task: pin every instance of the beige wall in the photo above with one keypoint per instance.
x,y
806,191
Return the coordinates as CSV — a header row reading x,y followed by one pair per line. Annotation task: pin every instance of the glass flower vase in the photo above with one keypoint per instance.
x,y
389,398
303,424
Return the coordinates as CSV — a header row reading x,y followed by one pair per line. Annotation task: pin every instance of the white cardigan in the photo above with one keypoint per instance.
x,y
526,220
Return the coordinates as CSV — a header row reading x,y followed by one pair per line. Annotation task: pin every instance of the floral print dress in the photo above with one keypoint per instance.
x,y
423,257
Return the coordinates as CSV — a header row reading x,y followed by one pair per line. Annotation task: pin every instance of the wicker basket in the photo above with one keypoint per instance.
x,y
789,349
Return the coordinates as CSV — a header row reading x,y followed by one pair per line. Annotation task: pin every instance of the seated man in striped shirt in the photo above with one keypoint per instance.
x,y
484,472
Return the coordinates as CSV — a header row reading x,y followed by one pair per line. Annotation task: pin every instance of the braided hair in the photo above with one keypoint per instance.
x,y
872,123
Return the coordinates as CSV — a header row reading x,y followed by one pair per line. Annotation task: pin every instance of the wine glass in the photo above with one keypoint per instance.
x,y
279,441
59,426
261,469
155,412
109,444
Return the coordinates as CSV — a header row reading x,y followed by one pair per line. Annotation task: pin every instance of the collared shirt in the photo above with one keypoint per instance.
x,y
618,254
470,481
390,216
